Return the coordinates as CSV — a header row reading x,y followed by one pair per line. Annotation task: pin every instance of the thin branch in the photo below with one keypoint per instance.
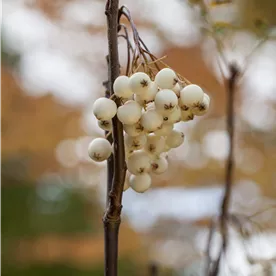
x,y
209,245
129,47
263,211
251,54
112,216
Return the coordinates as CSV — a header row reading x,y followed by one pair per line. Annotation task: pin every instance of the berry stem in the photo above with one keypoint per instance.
x,y
117,172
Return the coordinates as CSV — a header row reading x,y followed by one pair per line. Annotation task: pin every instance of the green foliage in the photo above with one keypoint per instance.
x,y
25,213
126,267
7,58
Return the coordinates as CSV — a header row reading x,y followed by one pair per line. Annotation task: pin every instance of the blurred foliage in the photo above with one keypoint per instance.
x,y
36,216
126,267
8,59
257,15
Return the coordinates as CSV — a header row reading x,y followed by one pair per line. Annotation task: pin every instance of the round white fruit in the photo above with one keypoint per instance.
x,y
175,139
121,87
126,184
134,130
176,89
165,100
159,165
183,106
139,162
140,183
155,144
99,149
191,94
173,117
166,78
105,125
104,109
149,96
164,130
151,120
139,83
203,107
135,143
129,113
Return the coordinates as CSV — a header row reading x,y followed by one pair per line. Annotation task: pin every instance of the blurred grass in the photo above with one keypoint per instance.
x,y
126,267
25,214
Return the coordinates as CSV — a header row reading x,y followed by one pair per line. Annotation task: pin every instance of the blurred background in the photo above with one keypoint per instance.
x,y
53,65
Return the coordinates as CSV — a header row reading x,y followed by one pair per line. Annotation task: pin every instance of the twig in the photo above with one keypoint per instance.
x,y
112,216
262,211
129,47
209,245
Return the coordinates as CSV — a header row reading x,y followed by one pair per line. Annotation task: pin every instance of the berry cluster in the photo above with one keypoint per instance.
x,y
149,111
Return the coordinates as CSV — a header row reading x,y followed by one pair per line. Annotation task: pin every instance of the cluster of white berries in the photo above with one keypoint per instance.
x,y
150,110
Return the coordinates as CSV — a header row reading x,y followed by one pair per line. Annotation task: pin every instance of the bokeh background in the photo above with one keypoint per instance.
x,y
53,65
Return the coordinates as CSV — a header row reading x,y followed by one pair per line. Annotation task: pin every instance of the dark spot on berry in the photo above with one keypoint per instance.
x,y
97,156
184,107
152,148
168,106
144,83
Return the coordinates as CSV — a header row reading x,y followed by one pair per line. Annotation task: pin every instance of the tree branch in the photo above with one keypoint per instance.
x,y
112,216
224,215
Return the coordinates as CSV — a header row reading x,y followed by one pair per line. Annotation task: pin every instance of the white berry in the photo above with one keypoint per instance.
x,y
191,94
183,106
134,130
173,117
105,125
159,165
187,115
121,87
139,83
164,130
165,100
138,162
203,107
166,78
135,143
151,120
129,113
99,149
175,139
149,96
126,184
155,144
140,183
176,89
104,109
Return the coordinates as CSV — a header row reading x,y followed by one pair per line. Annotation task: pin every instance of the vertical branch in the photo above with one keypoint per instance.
x,y
153,269
230,89
110,160
112,216
230,84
